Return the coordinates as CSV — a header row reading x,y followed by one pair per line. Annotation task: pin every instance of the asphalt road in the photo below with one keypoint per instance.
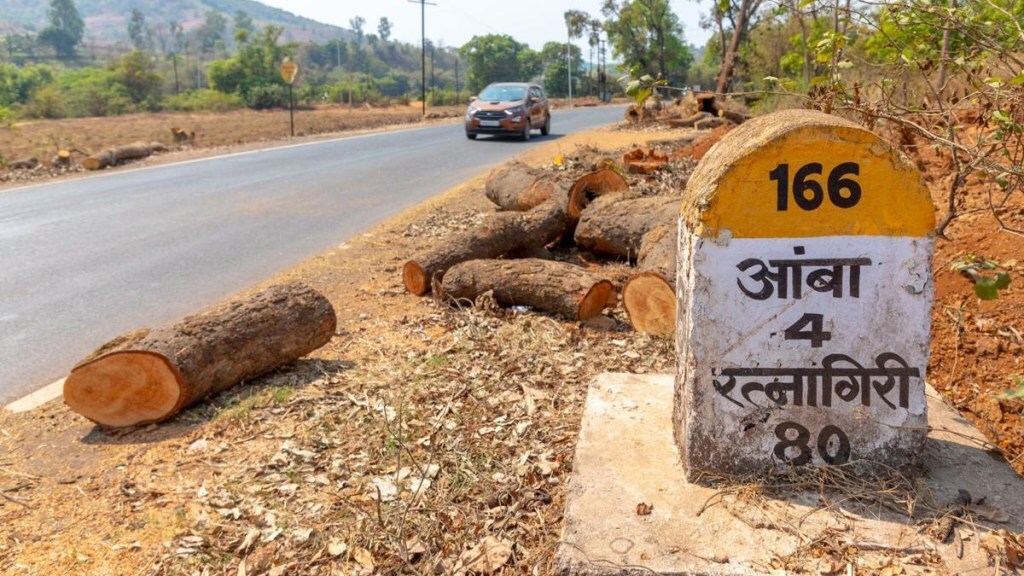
x,y
84,260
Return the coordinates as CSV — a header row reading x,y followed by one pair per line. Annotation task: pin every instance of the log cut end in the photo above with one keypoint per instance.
x,y
415,278
124,389
591,185
600,296
650,303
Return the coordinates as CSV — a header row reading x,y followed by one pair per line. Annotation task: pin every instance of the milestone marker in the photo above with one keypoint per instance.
x,y
805,293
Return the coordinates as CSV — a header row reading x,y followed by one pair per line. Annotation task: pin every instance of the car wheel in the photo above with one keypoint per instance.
x,y
546,128
471,135
526,131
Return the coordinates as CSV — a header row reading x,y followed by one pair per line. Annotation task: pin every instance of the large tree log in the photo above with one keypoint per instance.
x,y
600,182
512,187
615,225
501,234
650,296
114,155
555,287
26,164
151,375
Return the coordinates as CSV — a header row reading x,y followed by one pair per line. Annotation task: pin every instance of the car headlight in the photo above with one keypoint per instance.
x,y
515,111
470,111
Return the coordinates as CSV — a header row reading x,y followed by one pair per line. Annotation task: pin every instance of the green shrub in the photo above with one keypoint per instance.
x,y
94,92
265,96
48,102
203,101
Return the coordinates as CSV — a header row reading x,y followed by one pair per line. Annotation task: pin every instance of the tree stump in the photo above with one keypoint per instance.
x,y
554,287
150,375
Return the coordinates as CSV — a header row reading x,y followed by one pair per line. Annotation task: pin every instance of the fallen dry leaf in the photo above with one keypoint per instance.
x,y
486,557
364,558
644,509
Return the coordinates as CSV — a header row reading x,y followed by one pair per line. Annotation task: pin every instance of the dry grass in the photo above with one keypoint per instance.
x,y
419,432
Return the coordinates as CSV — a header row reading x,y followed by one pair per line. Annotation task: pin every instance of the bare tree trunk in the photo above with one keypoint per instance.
x,y
944,58
739,33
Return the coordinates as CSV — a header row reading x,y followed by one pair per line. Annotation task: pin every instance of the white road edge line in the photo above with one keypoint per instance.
x,y
37,398
106,174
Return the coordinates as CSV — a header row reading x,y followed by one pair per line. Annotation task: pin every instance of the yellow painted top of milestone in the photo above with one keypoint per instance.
x,y
802,173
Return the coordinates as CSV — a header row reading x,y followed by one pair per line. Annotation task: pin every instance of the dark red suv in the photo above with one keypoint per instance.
x,y
510,108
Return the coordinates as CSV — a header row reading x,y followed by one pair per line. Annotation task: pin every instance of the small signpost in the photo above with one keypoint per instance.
x,y
805,297
289,71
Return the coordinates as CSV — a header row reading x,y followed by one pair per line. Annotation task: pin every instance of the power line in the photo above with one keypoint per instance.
x,y
423,50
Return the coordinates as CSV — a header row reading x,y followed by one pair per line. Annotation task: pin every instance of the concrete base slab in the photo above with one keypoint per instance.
x,y
630,511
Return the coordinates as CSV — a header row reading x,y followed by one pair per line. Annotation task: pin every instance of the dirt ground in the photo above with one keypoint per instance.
x,y
421,430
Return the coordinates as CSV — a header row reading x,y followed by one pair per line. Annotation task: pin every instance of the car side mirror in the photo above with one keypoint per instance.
x,y
534,99
472,99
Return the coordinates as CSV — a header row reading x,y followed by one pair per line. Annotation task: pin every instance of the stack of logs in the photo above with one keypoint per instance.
x,y
701,110
508,254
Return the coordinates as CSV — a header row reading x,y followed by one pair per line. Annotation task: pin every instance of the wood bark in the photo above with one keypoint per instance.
x,y
615,225
26,164
555,287
112,156
151,375
600,182
649,297
512,187
501,234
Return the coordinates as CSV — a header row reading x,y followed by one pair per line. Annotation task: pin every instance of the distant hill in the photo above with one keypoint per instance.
x,y
106,21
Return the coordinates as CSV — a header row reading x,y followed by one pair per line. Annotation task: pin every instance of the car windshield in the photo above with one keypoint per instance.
x,y
503,93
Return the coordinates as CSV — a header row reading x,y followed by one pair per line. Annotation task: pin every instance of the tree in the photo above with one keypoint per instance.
x,y
253,73
648,36
384,29
212,31
498,57
65,30
137,29
556,77
243,22
357,24
140,81
742,15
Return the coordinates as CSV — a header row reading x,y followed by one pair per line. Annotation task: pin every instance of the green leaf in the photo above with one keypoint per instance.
x,y
994,82
986,290
1017,80
1002,280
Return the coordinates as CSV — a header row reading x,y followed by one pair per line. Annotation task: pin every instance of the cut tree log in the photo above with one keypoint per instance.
x,y
555,287
150,375
112,156
26,164
616,225
644,160
649,297
511,187
600,182
500,234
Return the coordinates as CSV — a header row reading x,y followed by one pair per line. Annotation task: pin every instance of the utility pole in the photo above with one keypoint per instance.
x,y
458,95
568,59
423,50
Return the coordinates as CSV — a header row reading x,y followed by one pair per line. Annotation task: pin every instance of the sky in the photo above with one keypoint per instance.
x,y
455,22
